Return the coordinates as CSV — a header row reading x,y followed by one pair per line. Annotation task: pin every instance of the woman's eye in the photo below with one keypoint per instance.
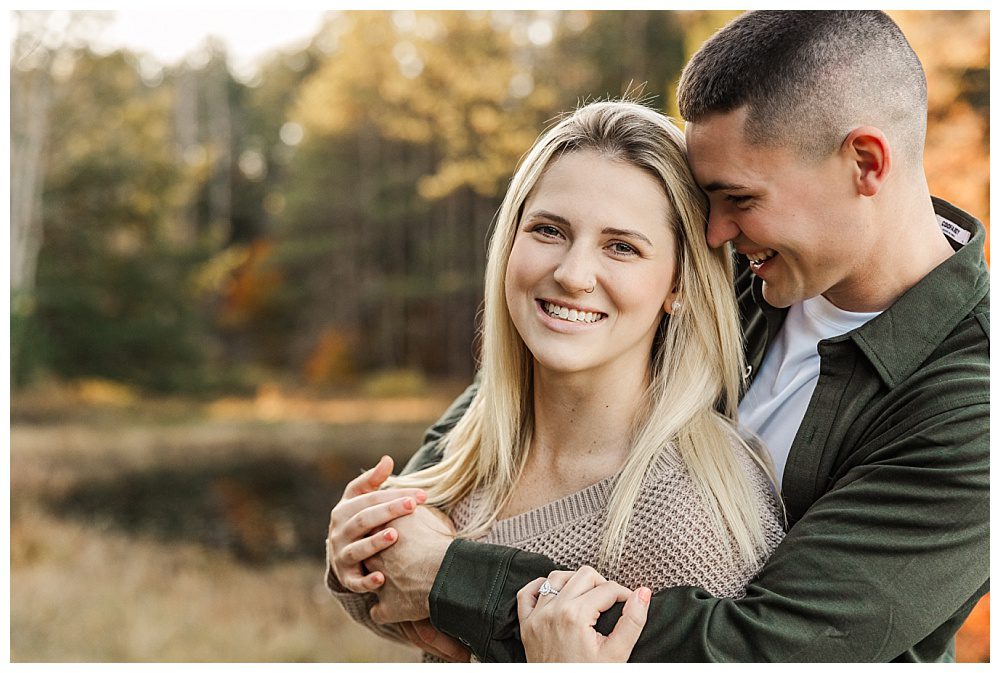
x,y
547,230
620,248
738,201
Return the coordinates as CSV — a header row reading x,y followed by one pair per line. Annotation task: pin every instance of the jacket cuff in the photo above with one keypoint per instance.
x,y
466,592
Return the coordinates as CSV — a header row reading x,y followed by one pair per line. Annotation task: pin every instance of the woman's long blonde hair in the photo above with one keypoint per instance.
x,y
696,363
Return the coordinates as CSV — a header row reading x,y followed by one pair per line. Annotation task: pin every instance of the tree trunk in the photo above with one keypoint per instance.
x,y
220,130
30,101
186,135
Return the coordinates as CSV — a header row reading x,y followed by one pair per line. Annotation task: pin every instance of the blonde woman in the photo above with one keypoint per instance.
x,y
603,431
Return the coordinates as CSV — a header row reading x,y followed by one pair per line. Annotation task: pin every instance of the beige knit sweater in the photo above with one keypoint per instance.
x,y
670,540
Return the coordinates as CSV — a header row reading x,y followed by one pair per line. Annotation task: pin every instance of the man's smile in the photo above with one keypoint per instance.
x,y
758,258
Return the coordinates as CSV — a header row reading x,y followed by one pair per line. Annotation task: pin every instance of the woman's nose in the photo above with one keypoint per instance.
x,y
577,272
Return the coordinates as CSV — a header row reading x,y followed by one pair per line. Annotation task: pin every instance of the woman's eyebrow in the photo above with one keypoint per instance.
x,y
626,233
548,216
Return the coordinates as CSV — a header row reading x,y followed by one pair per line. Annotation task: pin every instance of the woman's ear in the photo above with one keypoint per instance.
x,y
673,302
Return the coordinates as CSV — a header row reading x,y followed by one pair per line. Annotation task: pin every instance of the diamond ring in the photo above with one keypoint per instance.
x,y
547,590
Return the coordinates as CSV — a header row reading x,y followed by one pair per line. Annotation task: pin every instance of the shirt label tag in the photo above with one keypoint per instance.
x,y
953,231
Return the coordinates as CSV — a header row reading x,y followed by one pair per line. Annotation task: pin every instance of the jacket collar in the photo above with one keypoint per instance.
x,y
900,339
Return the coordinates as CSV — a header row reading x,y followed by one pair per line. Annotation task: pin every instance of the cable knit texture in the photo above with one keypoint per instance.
x,y
670,540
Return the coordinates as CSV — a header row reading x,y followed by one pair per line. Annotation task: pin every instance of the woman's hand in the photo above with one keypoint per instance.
x,y
559,627
355,526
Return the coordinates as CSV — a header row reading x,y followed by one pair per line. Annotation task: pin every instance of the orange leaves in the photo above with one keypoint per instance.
x,y
250,286
332,359
972,643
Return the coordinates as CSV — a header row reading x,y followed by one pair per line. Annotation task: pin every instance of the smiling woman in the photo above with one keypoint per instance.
x,y
603,431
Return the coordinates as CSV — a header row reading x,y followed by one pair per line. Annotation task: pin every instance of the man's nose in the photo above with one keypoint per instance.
x,y
721,229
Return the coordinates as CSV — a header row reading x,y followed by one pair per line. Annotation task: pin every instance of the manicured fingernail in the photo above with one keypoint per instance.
x,y
389,535
421,496
644,595
378,579
408,505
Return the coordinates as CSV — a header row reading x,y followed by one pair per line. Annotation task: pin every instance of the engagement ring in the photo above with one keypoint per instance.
x,y
547,589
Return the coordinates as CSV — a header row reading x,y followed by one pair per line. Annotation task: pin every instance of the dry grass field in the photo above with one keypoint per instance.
x,y
173,531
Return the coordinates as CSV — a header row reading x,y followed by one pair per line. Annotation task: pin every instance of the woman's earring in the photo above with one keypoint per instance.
x,y
676,306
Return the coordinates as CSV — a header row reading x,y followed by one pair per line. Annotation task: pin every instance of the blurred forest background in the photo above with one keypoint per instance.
x,y
228,294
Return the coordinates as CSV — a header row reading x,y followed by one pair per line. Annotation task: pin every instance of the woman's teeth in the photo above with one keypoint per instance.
x,y
570,314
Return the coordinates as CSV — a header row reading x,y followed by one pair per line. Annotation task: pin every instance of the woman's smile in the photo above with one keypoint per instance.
x,y
565,312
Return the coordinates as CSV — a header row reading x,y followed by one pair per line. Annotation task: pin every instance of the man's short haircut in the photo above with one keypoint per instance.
x,y
809,78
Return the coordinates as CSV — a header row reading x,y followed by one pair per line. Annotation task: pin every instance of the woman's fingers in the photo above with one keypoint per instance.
x,y
557,579
377,516
365,548
527,597
352,544
358,583
348,508
600,598
371,479
629,627
578,583
360,512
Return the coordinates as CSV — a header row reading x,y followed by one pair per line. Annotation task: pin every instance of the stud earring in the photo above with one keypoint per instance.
x,y
676,306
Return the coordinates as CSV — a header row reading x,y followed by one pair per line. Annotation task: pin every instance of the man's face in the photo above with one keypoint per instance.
x,y
792,217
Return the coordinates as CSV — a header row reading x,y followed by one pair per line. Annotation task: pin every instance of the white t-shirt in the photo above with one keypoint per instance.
x,y
775,404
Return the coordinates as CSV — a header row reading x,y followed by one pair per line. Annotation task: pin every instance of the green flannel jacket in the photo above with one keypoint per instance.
x,y
886,490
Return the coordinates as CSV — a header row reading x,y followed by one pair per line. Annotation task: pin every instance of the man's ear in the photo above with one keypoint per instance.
x,y
867,148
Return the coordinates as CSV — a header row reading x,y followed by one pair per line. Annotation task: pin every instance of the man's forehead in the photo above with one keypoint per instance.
x,y
720,156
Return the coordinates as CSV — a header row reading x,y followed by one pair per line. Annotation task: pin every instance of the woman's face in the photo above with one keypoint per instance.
x,y
597,224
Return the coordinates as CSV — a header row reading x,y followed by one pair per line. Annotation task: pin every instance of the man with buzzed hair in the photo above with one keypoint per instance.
x,y
865,306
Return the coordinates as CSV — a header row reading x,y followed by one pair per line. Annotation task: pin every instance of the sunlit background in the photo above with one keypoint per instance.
x,y
247,252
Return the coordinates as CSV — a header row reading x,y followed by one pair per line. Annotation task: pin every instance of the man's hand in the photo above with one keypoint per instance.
x,y
432,641
559,627
361,511
410,565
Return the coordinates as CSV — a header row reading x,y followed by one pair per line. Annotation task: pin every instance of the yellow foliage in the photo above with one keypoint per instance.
x,y
430,78
395,383
101,392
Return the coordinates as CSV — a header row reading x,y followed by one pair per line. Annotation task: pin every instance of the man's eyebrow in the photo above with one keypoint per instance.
x,y
718,186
